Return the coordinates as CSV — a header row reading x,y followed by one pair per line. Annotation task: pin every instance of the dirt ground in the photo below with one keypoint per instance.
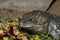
x,y
13,12
16,8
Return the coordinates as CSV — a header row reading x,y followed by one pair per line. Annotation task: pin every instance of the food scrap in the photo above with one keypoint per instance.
x,y
9,30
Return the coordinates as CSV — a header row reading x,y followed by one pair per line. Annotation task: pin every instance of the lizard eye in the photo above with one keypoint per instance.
x,y
30,19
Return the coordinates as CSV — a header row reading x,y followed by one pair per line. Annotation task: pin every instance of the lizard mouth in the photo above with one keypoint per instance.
x,y
25,24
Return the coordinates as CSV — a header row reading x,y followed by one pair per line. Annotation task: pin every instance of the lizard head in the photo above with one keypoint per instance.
x,y
35,17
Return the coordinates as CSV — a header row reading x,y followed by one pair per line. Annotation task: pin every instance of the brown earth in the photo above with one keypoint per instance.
x,y
14,11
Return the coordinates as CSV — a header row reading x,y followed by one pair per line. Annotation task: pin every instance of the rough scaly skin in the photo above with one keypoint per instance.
x,y
41,22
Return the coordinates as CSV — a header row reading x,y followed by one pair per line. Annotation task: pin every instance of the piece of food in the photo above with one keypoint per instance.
x,y
9,20
16,20
16,32
1,18
46,36
5,38
37,37
1,32
4,27
11,38
24,38
10,28
31,38
49,38
14,23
